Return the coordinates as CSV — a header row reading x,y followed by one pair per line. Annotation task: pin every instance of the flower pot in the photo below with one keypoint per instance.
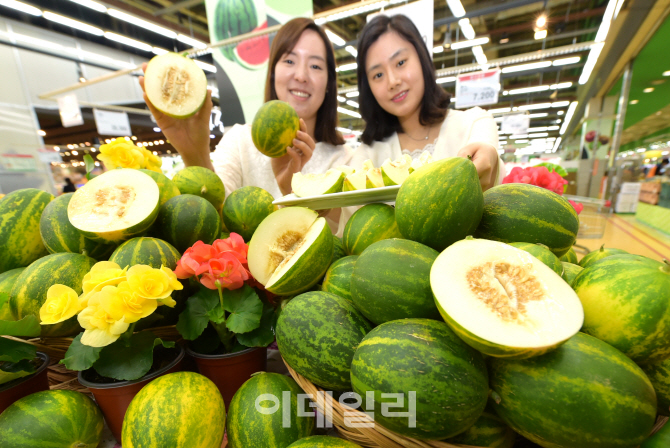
x,y
114,398
231,370
19,388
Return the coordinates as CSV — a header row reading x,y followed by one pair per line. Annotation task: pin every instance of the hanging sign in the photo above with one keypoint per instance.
x,y
70,112
112,123
477,89
515,124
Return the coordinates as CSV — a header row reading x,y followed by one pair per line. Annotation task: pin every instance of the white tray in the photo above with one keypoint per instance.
x,y
344,199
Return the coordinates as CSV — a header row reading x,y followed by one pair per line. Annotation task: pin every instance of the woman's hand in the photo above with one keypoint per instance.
x,y
189,136
485,158
297,156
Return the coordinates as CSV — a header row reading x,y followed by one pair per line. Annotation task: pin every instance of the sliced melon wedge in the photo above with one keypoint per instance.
x,y
175,85
304,185
115,206
395,172
354,181
424,159
503,301
347,170
290,250
373,178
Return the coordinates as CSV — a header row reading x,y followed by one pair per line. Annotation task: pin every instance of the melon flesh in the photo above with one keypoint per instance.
x,y
374,178
395,172
304,185
354,181
347,170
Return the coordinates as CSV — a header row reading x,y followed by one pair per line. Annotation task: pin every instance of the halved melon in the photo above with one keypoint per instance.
x,y
503,301
115,206
354,181
290,250
175,85
304,185
395,172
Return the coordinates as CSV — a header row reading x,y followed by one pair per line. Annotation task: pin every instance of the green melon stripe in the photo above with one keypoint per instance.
x,y
149,251
659,375
245,208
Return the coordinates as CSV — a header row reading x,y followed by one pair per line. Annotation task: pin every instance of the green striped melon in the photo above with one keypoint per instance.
x,y
7,280
274,127
599,254
391,280
659,375
186,219
202,182
542,253
424,357
503,301
488,431
625,299
659,440
584,394
338,249
370,223
441,203
570,271
58,235
258,409
166,187
338,277
143,250
570,256
115,206
20,242
317,333
323,442
52,418
522,212
30,290
178,410
244,210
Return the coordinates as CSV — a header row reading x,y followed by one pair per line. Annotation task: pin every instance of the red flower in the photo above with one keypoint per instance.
x,y
234,244
193,258
578,206
537,175
226,270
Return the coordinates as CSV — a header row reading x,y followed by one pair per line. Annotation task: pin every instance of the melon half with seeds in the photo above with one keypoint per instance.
x,y
115,206
503,301
290,250
175,85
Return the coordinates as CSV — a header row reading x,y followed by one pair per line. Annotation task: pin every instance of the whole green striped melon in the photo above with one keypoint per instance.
x,y
625,300
542,253
488,431
244,210
20,241
166,187
570,256
391,280
186,219
441,203
144,250
58,235
323,442
570,271
52,418
443,378
274,127
338,249
599,254
7,280
338,277
30,290
178,410
370,223
659,440
258,409
202,182
584,394
317,333
522,212
659,375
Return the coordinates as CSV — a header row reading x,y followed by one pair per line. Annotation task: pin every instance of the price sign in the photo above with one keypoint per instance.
x,y
477,89
515,124
112,123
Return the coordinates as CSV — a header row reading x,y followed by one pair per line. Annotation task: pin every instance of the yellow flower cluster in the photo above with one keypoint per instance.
x,y
121,153
112,299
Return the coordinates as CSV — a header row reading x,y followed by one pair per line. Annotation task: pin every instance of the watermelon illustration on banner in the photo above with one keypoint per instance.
x,y
242,67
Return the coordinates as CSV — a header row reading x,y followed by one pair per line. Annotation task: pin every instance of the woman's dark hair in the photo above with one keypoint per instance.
x,y
380,124
287,37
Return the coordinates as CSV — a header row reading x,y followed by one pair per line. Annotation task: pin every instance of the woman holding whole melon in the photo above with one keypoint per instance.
x,y
406,112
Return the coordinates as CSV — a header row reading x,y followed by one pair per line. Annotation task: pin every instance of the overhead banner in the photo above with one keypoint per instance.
x,y
242,68
421,13
477,89
515,124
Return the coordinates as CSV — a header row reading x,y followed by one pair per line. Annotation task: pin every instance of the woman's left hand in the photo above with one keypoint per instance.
x,y
485,158
294,160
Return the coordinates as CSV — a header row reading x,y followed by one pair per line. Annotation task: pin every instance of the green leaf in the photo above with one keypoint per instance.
x,y
29,326
15,351
207,342
90,166
217,315
129,359
80,356
245,309
553,167
264,334
194,319
10,371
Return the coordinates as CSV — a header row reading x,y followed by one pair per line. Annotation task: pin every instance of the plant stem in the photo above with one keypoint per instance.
x,y
226,336
218,287
129,332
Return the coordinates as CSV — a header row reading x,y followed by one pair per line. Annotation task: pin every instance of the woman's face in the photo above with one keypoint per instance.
x,y
394,73
301,75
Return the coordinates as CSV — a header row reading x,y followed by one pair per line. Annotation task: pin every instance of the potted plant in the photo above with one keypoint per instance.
x,y
228,324
113,361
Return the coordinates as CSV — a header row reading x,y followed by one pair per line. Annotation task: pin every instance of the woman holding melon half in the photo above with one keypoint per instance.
x,y
406,112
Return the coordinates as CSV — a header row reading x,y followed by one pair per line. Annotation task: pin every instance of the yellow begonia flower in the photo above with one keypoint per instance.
x,y
103,273
121,153
100,328
150,283
169,302
62,303
152,162
174,281
121,302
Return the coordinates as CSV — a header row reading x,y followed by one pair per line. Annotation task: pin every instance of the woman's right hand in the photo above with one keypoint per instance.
x,y
189,136
295,159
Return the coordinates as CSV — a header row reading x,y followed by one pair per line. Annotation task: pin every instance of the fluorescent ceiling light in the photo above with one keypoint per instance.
x,y
540,129
347,67
560,112
344,110
540,134
606,22
524,67
141,23
20,6
341,99
335,39
557,144
562,85
541,21
514,137
73,23
552,128
560,104
353,104
539,35
502,110
521,141
648,90
469,43
159,51
438,49
356,11
568,117
91,4
205,66
351,50
466,28
566,61
540,115
456,8
126,41
348,131
190,41
446,79
528,90
352,94
535,106
591,62
479,55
